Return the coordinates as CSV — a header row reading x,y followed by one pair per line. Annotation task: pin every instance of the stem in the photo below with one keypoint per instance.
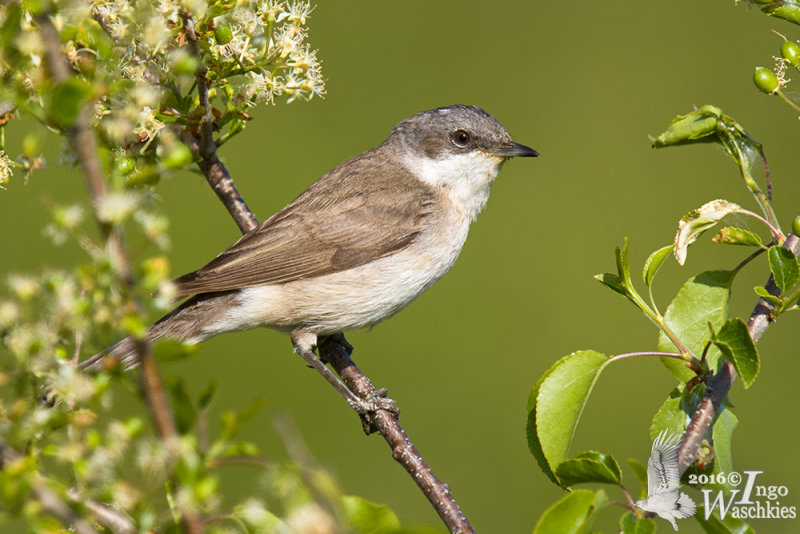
x,y
659,321
627,496
658,354
775,231
692,363
215,172
761,198
785,99
747,260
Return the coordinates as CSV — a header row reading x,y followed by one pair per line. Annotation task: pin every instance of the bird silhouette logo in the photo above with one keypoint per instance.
x,y
664,496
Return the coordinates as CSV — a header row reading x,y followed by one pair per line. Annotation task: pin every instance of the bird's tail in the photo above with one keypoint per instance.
x,y
124,353
188,322
685,507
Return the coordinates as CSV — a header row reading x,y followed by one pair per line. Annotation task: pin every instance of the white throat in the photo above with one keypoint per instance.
x,y
466,178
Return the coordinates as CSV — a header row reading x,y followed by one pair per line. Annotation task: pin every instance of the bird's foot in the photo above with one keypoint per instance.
x,y
342,342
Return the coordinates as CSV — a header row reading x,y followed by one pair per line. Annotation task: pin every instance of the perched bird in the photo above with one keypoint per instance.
x,y
664,497
354,248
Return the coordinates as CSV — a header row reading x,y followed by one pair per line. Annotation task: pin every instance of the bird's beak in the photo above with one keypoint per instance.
x,y
513,150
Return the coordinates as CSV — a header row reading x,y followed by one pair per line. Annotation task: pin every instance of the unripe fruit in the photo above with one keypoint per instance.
x,y
796,226
186,65
765,80
125,166
791,52
223,35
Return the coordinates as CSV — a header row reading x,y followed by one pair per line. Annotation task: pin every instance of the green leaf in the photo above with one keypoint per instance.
x,y
614,282
784,267
207,395
165,350
630,524
733,235
714,525
556,403
783,10
181,403
571,514
365,517
762,292
698,221
623,264
734,340
710,125
10,29
641,476
67,101
697,126
653,263
589,466
232,421
703,299
670,417
722,436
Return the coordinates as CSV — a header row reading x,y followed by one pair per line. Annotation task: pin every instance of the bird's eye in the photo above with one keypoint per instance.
x,y
461,138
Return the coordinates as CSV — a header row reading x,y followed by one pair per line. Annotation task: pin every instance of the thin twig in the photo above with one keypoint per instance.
x,y
215,172
718,385
112,519
84,143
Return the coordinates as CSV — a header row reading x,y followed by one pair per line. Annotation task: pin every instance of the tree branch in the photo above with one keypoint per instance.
x,y
84,143
717,386
383,421
215,172
403,450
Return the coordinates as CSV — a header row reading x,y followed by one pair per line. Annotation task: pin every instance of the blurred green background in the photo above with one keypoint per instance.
x,y
582,82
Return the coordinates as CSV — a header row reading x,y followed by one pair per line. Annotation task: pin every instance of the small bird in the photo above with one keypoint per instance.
x,y
664,481
354,248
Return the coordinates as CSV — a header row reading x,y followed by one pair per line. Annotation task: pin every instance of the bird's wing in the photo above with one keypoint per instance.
x,y
344,220
662,467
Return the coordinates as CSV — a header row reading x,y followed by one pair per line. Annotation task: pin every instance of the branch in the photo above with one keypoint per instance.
x,y
403,450
215,172
718,385
84,143
383,421
108,517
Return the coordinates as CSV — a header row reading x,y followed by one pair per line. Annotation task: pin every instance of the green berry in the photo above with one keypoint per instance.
x,y
765,80
223,35
186,65
125,166
178,156
791,52
796,226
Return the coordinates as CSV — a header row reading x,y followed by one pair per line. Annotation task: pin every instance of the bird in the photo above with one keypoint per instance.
x,y
354,248
664,497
